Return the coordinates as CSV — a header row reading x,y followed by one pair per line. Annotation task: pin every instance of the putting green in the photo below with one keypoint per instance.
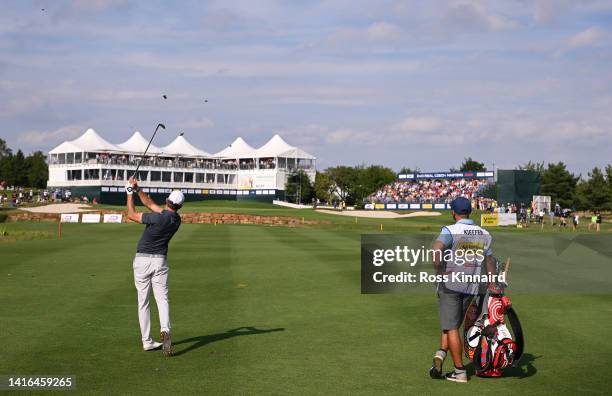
x,y
278,310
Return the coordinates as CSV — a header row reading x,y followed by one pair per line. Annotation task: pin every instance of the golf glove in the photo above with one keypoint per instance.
x,y
129,189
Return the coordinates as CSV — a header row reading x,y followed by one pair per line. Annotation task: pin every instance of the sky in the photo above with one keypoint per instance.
x,y
421,84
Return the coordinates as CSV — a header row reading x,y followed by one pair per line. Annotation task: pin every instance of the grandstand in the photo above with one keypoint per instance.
x,y
93,167
431,190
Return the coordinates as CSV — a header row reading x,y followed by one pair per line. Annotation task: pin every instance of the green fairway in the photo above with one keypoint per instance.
x,y
258,309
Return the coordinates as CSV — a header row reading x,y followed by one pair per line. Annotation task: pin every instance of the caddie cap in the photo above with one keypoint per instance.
x,y
461,205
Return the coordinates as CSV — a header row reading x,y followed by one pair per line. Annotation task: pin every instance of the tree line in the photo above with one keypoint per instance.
x,y
16,169
593,192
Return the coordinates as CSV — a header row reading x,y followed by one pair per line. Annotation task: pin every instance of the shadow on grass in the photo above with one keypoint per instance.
x,y
524,368
200,341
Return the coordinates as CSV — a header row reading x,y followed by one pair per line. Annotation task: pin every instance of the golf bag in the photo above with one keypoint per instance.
x,y
487,341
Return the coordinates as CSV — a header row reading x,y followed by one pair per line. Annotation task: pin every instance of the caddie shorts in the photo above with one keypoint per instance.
x,y
452,306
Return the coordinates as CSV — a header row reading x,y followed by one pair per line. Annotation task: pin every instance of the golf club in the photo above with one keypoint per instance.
x,y
147,149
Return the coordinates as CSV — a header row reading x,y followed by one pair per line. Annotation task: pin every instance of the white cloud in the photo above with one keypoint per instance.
x,y
474,15
587,38
417,124
383,31
41,138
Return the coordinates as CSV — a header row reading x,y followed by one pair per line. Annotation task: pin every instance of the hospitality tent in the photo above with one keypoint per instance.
x,y
237,149
137,143
277,147
90,141
181,146
66,147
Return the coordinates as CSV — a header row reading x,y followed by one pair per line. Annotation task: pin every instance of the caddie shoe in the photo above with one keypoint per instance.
x,y
457,377
167,343
435,371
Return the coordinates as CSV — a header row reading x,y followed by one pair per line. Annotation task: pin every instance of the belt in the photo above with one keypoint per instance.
x,y
150,255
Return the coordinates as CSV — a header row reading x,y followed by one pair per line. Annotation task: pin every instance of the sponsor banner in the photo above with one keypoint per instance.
x,y
488,220
113,218
257,181
91,218
442,175
439,206
69,218
369,206
506,219
498,219
426,206
403,206
415,206
391,206
379,206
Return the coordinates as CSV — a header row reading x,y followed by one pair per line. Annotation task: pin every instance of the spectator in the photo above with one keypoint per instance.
x,y
428,191
575,221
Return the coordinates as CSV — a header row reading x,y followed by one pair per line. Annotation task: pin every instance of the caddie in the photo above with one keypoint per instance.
x,y
451,255
150,264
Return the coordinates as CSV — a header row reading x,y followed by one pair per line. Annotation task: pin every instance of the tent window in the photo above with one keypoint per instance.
x,y
305,163
78,158
74,174
210,178
155,176
109,174
266,163
188,177
178,177
167,177
62,158
282,163
200,177
92,174
220,178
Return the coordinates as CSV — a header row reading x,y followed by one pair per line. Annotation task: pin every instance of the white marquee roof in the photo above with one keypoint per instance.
x,y
137,143
277,147
90,141
237,149
66,147
181,146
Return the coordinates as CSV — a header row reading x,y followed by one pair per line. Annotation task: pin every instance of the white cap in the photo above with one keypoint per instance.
x,y
176,197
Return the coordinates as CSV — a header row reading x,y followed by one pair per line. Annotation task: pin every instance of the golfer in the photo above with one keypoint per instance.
x,y
455,296
150,265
